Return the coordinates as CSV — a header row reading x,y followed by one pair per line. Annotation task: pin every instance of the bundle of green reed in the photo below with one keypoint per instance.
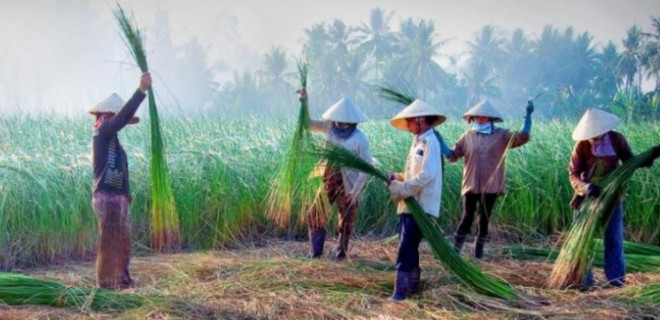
x,y
16,289
165,220
577,252
647,295
292,187
465,271
635,261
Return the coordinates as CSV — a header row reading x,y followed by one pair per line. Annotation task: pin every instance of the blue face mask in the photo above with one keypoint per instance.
x,y
344,133
486,128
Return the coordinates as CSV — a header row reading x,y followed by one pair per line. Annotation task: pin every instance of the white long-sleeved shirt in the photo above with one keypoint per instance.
x,y
357,143
422,178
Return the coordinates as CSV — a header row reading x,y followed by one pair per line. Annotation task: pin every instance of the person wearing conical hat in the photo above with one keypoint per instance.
x,y
484,147
422,180
111,196
597,152
342,186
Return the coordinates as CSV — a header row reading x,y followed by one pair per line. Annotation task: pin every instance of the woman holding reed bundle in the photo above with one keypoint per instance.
x,y
484,148
422,180
342,186
598,151
111,197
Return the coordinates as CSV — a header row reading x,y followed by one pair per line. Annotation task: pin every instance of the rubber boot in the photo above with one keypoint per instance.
x,y
401,286
316,239
415,276
342,247
459,240
479,248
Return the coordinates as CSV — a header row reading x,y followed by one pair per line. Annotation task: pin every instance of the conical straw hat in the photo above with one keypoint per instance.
x,y
594,122
418,108
111,104
345,110
483,109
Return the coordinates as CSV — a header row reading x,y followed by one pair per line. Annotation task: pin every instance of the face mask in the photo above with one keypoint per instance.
x,y
485,128
343,134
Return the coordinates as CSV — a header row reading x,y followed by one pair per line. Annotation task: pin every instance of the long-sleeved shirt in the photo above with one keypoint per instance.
x,y
585,168
484,168
109,161
422,178
356,143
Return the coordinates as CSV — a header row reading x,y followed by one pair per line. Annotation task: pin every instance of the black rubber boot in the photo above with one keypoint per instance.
x,y
479,248
415,276
317,240
401,286
342,247
459,240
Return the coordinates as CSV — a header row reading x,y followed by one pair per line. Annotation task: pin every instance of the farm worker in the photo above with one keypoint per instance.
x,y
342,186
422,180
484,148
598,151
111,197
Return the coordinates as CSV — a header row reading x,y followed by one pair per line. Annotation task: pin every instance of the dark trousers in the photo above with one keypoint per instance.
x,y
615,262
409,238
485,203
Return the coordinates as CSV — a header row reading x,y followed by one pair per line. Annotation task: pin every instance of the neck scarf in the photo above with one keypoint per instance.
x,y
603,147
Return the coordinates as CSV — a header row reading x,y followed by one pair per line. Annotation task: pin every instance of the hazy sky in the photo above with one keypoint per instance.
x,y
66,54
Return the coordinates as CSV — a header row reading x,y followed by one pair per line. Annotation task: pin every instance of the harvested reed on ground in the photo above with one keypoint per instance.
x,y
16,289
293,186
648,294
465,271
165,220
577,253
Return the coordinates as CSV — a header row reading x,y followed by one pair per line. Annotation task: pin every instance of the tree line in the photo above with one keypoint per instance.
x,y
564,68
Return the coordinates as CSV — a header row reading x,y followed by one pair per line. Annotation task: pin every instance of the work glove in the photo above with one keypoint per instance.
x,y
655,154
530,107
594,190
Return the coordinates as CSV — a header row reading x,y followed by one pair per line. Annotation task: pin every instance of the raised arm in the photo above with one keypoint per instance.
x,y
519,138
314,125
121,118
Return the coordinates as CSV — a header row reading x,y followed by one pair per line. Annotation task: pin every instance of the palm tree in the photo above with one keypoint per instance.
x,y
340,37
519,68
630,62
486,57
352,75
275,64
607,81
580,65
415,64
651,53
273,78
376,39
322,68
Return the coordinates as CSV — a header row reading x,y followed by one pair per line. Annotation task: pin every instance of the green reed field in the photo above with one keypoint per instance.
x,y
222,169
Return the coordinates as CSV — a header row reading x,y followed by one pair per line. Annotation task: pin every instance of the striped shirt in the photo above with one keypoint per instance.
x,y
109,162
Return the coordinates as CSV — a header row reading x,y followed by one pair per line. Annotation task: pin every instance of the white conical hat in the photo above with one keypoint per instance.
x,y
111,104
418,108
345,110
483,109
594,122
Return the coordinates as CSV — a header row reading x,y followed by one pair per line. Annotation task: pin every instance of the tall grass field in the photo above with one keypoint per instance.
x,y
222,170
